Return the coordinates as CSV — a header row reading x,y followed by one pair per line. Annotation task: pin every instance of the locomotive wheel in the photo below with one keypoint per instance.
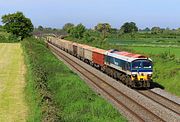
x,y
103,69
133,84
124,79
129,82
106,71
148,84
145,84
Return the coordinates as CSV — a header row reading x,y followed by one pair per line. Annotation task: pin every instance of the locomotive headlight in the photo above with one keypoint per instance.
x,y
134,75
149,76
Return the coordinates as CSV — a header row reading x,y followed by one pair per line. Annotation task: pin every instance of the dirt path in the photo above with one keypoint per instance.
x,y
12,100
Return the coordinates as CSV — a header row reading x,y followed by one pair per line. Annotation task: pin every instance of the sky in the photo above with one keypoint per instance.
x,y
55,13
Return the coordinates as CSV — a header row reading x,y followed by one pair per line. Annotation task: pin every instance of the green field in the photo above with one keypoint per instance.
x,y
150,46
156,50
12,82
151,41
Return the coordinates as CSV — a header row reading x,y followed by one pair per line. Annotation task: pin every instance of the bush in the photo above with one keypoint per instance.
x,y
3,38
8,38
167,56
13,38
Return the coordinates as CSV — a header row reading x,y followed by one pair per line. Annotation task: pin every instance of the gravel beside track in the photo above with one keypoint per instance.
x,y
162,100
129,102
166,94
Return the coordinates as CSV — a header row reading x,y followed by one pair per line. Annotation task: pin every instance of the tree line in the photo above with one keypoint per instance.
x,y
21,26
77,31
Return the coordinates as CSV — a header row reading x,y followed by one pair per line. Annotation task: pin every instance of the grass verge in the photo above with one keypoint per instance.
x,y
33,98
69,98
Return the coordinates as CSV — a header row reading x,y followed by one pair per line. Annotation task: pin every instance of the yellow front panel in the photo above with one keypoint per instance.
x,y
142,77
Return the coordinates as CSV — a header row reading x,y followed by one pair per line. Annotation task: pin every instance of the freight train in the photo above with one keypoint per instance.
x,y
133,70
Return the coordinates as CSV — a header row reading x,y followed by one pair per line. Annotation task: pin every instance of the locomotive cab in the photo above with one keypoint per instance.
x,y
141,70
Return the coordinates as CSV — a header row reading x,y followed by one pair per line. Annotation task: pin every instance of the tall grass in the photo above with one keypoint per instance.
x,y
167,73
73,99
32,96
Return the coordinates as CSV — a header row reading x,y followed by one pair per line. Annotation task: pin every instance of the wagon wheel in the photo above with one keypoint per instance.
x,y
103,69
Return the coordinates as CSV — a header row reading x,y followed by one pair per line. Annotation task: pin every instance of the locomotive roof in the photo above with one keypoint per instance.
x,y
125,55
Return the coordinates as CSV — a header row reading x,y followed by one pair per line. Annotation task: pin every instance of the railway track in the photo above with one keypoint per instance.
x,y
164,101
131,108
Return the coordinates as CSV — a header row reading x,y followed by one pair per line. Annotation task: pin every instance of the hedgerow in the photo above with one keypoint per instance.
x,y
36,53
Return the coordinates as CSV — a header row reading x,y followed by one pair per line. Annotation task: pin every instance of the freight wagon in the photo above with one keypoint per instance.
x,y
88,53
98,58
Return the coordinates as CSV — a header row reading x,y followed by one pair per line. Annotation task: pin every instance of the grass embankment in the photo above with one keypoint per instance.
x,y
167,73
50,80
166,60
13,107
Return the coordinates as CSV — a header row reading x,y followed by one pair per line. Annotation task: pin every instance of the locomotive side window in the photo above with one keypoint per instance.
x,y
117,62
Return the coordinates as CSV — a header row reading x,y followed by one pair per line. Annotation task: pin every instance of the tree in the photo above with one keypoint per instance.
x,y
178,30
104,28
146,29
156,30
167,31
113,31
18,25
88,35
67,27
40,28
129,27
77,31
